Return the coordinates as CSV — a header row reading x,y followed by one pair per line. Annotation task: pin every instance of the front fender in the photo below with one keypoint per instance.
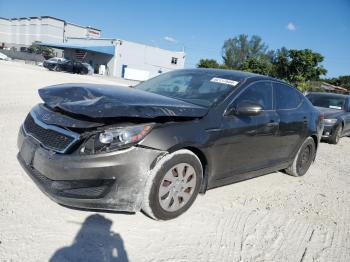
x,y
173,136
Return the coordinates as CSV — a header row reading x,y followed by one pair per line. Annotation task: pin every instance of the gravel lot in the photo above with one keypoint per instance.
x,y
271,218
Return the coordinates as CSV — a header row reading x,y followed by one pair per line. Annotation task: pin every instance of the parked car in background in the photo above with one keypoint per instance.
x,y
51,63
90,69
61,64
336,109
4,57
156,146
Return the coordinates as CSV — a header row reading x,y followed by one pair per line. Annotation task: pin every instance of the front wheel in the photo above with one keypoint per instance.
x,y
173,185
303,158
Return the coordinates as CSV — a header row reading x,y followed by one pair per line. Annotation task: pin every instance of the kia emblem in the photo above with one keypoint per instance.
x,y
45,117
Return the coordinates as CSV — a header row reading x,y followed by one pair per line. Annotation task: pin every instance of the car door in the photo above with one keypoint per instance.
x,y
67,66
247,143
293,119
347,116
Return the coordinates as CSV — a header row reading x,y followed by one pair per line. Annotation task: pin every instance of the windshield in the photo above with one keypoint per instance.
x,y
200,88
327,101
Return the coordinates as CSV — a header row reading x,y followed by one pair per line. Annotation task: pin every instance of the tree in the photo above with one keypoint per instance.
x,y
304,66
208,63
261,66
280,63
298,67
47,52
238,49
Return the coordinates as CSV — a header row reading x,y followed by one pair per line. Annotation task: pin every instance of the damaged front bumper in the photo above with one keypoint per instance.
x,y
111,181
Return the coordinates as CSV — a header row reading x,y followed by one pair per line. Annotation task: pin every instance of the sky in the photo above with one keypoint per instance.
x,y
201,27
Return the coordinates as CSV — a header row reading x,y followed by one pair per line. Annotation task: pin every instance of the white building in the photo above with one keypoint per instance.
x,y
22,32
119,58
123,58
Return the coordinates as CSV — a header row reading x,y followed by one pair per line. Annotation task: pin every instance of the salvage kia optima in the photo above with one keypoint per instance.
x,y
156,146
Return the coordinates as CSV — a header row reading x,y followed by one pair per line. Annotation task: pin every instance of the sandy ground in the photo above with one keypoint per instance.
x,y
271,218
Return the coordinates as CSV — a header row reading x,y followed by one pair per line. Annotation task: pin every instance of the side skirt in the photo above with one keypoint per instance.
x,y
248,175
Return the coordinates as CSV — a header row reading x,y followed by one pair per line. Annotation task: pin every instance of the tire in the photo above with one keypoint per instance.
x,y
303,158
58,69
167,193
334,139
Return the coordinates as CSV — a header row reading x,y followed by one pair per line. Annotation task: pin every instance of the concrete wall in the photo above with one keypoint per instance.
x,y
72,30
147,58
23,56
93,33
4,30
25,31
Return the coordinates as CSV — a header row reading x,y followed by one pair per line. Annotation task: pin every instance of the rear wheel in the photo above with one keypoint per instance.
x,y
303,158
334,139
58,69
173,185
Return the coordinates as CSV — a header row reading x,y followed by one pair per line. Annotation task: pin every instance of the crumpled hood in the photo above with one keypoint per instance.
x,y
103,101
330,112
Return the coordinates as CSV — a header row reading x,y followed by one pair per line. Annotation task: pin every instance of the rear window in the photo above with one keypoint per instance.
x,y
327,101
286,97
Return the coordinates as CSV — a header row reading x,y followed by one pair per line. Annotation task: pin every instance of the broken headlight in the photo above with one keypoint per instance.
x,y
115,138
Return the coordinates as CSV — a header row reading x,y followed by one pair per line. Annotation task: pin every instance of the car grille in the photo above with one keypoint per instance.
x,y
49,138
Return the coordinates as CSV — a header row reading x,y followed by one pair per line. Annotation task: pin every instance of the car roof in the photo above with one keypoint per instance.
x,y
239,75
329,94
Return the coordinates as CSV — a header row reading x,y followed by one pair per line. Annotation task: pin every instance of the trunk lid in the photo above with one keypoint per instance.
x,y
330,112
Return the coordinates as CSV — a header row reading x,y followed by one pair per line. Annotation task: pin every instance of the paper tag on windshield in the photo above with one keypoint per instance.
x,y
224,81
335,107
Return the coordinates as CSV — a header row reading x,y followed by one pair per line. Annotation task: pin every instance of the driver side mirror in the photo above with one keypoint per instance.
x,y
245,108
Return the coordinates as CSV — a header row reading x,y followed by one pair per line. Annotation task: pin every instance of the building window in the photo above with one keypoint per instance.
x,y
174,60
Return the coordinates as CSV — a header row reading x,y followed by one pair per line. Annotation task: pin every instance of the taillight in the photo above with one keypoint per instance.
x,y
321,116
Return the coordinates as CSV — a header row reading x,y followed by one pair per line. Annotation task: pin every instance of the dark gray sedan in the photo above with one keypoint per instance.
x,y
156,146
336,110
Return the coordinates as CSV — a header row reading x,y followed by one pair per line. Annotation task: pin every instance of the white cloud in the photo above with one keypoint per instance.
x,y
170,39
291,26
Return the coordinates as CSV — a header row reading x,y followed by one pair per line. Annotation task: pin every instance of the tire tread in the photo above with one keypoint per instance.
x,y
292,169
146,203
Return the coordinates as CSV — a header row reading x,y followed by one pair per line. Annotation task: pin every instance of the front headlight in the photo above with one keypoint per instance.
x,y
115,138
330,121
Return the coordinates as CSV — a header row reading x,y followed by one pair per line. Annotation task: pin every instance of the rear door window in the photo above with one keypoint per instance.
x,y
286,97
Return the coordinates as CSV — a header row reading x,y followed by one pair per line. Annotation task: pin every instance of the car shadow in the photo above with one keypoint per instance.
x,y
95,241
